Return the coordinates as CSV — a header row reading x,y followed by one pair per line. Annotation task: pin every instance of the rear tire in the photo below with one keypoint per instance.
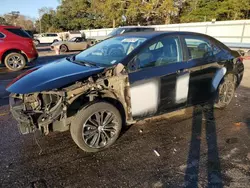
x,y
15,61
63,48
225,91
96,127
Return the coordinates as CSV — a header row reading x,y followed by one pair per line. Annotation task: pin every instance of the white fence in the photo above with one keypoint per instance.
x,y
229,32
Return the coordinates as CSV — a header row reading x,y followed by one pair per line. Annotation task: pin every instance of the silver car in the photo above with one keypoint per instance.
x,y
76,43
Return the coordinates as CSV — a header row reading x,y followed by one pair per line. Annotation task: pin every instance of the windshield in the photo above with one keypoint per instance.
x,y
117,31
110,51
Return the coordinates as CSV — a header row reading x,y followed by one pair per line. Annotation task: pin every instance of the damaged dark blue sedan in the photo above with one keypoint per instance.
x,y
121,80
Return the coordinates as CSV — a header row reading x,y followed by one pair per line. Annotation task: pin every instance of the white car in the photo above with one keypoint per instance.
x,y
47,38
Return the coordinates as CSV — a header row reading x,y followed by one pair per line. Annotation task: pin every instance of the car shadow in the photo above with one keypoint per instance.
x,y
214,177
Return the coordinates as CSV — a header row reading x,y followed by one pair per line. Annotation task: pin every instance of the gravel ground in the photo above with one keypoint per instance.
x,y
199,148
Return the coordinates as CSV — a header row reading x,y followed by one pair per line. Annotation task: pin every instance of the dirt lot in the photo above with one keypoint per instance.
x,y
199,148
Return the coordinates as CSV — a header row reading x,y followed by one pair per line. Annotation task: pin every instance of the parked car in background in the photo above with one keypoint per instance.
x,y
76,43
130,29
121,80
16,48
126,29
47,38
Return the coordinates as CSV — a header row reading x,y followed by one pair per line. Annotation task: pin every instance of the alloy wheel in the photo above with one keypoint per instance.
x,y
99,129
226,92
15,62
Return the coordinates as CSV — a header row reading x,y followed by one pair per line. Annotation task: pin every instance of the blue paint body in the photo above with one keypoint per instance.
x,y
51,76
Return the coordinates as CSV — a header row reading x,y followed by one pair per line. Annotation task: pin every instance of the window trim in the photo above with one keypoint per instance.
x,y
4,36
182,59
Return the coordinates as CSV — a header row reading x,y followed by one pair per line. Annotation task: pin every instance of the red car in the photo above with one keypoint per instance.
x,y
16,47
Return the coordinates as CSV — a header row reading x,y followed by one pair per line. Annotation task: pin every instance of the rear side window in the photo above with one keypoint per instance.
x,y
19,32
198,48
52,35
2,35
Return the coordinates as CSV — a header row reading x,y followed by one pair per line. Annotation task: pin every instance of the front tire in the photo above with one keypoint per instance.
x,y
225,91
15,61
63,48
96,127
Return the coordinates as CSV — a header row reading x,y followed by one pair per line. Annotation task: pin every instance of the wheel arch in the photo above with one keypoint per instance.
x,y
221,78
83,102
13,50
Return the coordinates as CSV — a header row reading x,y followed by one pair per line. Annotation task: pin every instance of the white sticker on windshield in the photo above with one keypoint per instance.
x,y
113,62
130,40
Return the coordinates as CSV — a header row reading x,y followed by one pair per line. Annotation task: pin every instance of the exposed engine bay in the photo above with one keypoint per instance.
x,y
53,110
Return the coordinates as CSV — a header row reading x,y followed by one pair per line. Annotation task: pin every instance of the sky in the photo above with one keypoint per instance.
x,y
26,7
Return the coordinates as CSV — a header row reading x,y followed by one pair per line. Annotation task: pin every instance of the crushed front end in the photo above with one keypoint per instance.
x,y
37,110
54,110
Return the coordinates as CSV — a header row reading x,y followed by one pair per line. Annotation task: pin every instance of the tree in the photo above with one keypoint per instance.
x,y
206,10
234,9
20,20
3,21
159,11
74,15
199,10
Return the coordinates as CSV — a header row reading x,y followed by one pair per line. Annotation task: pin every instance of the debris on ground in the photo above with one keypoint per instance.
x,y
156,153
140,130
175,150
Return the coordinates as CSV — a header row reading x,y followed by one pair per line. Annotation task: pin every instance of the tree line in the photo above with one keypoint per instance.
x,y
89,14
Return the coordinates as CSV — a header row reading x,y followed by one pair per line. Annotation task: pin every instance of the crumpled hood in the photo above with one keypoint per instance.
x,y
51,76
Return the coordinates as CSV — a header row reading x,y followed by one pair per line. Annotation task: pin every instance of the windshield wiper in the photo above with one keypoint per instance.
x,y
73,59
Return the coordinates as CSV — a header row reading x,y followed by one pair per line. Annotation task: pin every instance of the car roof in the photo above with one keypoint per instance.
x,y
152,34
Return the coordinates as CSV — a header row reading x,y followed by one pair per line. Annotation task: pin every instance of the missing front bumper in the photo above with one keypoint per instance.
x,y
24,121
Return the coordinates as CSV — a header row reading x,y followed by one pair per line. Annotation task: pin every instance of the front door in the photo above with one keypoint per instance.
x,y
158,82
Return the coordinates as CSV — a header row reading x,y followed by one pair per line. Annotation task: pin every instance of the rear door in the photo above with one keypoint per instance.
x,y
157,80
202,65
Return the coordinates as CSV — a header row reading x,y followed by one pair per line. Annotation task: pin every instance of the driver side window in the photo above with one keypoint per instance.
x,y
165,51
